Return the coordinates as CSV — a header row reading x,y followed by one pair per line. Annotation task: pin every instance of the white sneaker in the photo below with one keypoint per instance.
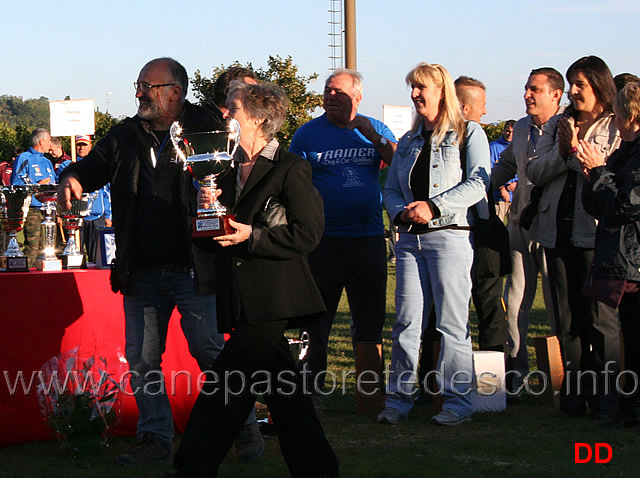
x,y
449,418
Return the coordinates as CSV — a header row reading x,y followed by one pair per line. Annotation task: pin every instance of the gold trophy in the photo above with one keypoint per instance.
x,y
14,206
208,156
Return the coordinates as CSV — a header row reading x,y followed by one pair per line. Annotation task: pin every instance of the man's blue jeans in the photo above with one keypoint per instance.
x,y
151,297
433,268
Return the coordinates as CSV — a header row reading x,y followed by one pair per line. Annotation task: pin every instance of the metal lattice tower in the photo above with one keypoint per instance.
x,y
335,34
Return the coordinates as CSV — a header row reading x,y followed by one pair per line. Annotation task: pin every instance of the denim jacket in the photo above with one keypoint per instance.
x,y
451,195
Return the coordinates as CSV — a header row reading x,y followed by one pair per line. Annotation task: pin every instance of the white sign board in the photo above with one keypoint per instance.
x,y
397,118
72,117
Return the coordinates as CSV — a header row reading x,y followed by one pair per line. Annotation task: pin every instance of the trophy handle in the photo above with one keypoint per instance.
x,y
234,135
175,133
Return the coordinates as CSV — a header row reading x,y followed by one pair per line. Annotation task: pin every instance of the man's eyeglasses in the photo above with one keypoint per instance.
x,y
145,87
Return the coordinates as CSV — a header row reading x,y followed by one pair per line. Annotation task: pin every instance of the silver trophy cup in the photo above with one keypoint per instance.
x,y
14,206
47,194
208,156
72,257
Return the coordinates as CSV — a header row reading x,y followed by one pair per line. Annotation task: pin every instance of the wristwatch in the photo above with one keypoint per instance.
x,y
382,142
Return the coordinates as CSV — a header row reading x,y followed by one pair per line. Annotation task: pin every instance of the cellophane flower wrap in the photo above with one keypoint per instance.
x,y
79,400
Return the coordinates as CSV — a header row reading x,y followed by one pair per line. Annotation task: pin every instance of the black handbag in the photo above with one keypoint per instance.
x,y
273,214
531,209
490,236
491,246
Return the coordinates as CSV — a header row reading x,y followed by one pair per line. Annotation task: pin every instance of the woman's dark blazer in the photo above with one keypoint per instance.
x,y
613,197
270,269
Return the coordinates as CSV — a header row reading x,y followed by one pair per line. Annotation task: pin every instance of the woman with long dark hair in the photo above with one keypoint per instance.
x,y
587,330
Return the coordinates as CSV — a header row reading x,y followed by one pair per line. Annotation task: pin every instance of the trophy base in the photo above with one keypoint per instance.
x,y
14,264
73,261
47,265
212,226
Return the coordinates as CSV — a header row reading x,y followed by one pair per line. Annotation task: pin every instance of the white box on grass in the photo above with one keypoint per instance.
x,y
488,393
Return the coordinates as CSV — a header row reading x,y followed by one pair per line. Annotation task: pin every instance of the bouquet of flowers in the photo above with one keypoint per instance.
x,y
78,400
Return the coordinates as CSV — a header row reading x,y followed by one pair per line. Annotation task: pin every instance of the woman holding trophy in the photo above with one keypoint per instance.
x,y
263,287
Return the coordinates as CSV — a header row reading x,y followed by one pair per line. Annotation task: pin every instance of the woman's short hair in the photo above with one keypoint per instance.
x,y
267,102
599,76
627,103
450,117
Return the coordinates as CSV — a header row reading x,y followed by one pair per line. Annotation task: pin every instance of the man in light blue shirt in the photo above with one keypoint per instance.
x,y
503,195
32,167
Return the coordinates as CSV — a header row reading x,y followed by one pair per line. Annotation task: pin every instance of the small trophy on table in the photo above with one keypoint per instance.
x,y
14,206
207,156
47,195
72,257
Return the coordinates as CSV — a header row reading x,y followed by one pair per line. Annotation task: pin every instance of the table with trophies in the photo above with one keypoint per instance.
x,y
61,305
64,304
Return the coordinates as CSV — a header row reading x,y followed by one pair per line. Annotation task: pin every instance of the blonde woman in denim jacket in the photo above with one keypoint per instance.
x,y
429,198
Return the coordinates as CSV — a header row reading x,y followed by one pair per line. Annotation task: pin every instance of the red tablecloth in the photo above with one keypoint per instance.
x,y
46,313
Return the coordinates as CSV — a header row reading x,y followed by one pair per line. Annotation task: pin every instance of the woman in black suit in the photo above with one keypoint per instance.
x,y
612,195
264,287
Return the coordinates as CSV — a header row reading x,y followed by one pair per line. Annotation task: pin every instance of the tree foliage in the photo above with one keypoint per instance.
x,y
493,131
203,86
32,113
8,141
18,119
104,122
282,72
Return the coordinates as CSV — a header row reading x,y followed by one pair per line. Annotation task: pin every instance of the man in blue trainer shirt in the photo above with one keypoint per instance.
x,y
32,167
345,150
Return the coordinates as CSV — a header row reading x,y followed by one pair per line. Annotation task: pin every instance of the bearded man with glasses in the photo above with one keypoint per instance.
x,y
157,267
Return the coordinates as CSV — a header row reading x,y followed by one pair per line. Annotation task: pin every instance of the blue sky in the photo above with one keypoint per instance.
x,y
83,50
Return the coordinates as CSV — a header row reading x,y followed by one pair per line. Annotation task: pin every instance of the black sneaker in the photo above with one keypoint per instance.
x,y
178,474
149,450
626,415
249,442
318,404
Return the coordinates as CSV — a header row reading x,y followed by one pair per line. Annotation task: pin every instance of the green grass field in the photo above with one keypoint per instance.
x,y
529,439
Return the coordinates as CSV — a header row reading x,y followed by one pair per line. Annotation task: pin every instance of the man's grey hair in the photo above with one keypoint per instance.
x,y
355,75
38,135
177,72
